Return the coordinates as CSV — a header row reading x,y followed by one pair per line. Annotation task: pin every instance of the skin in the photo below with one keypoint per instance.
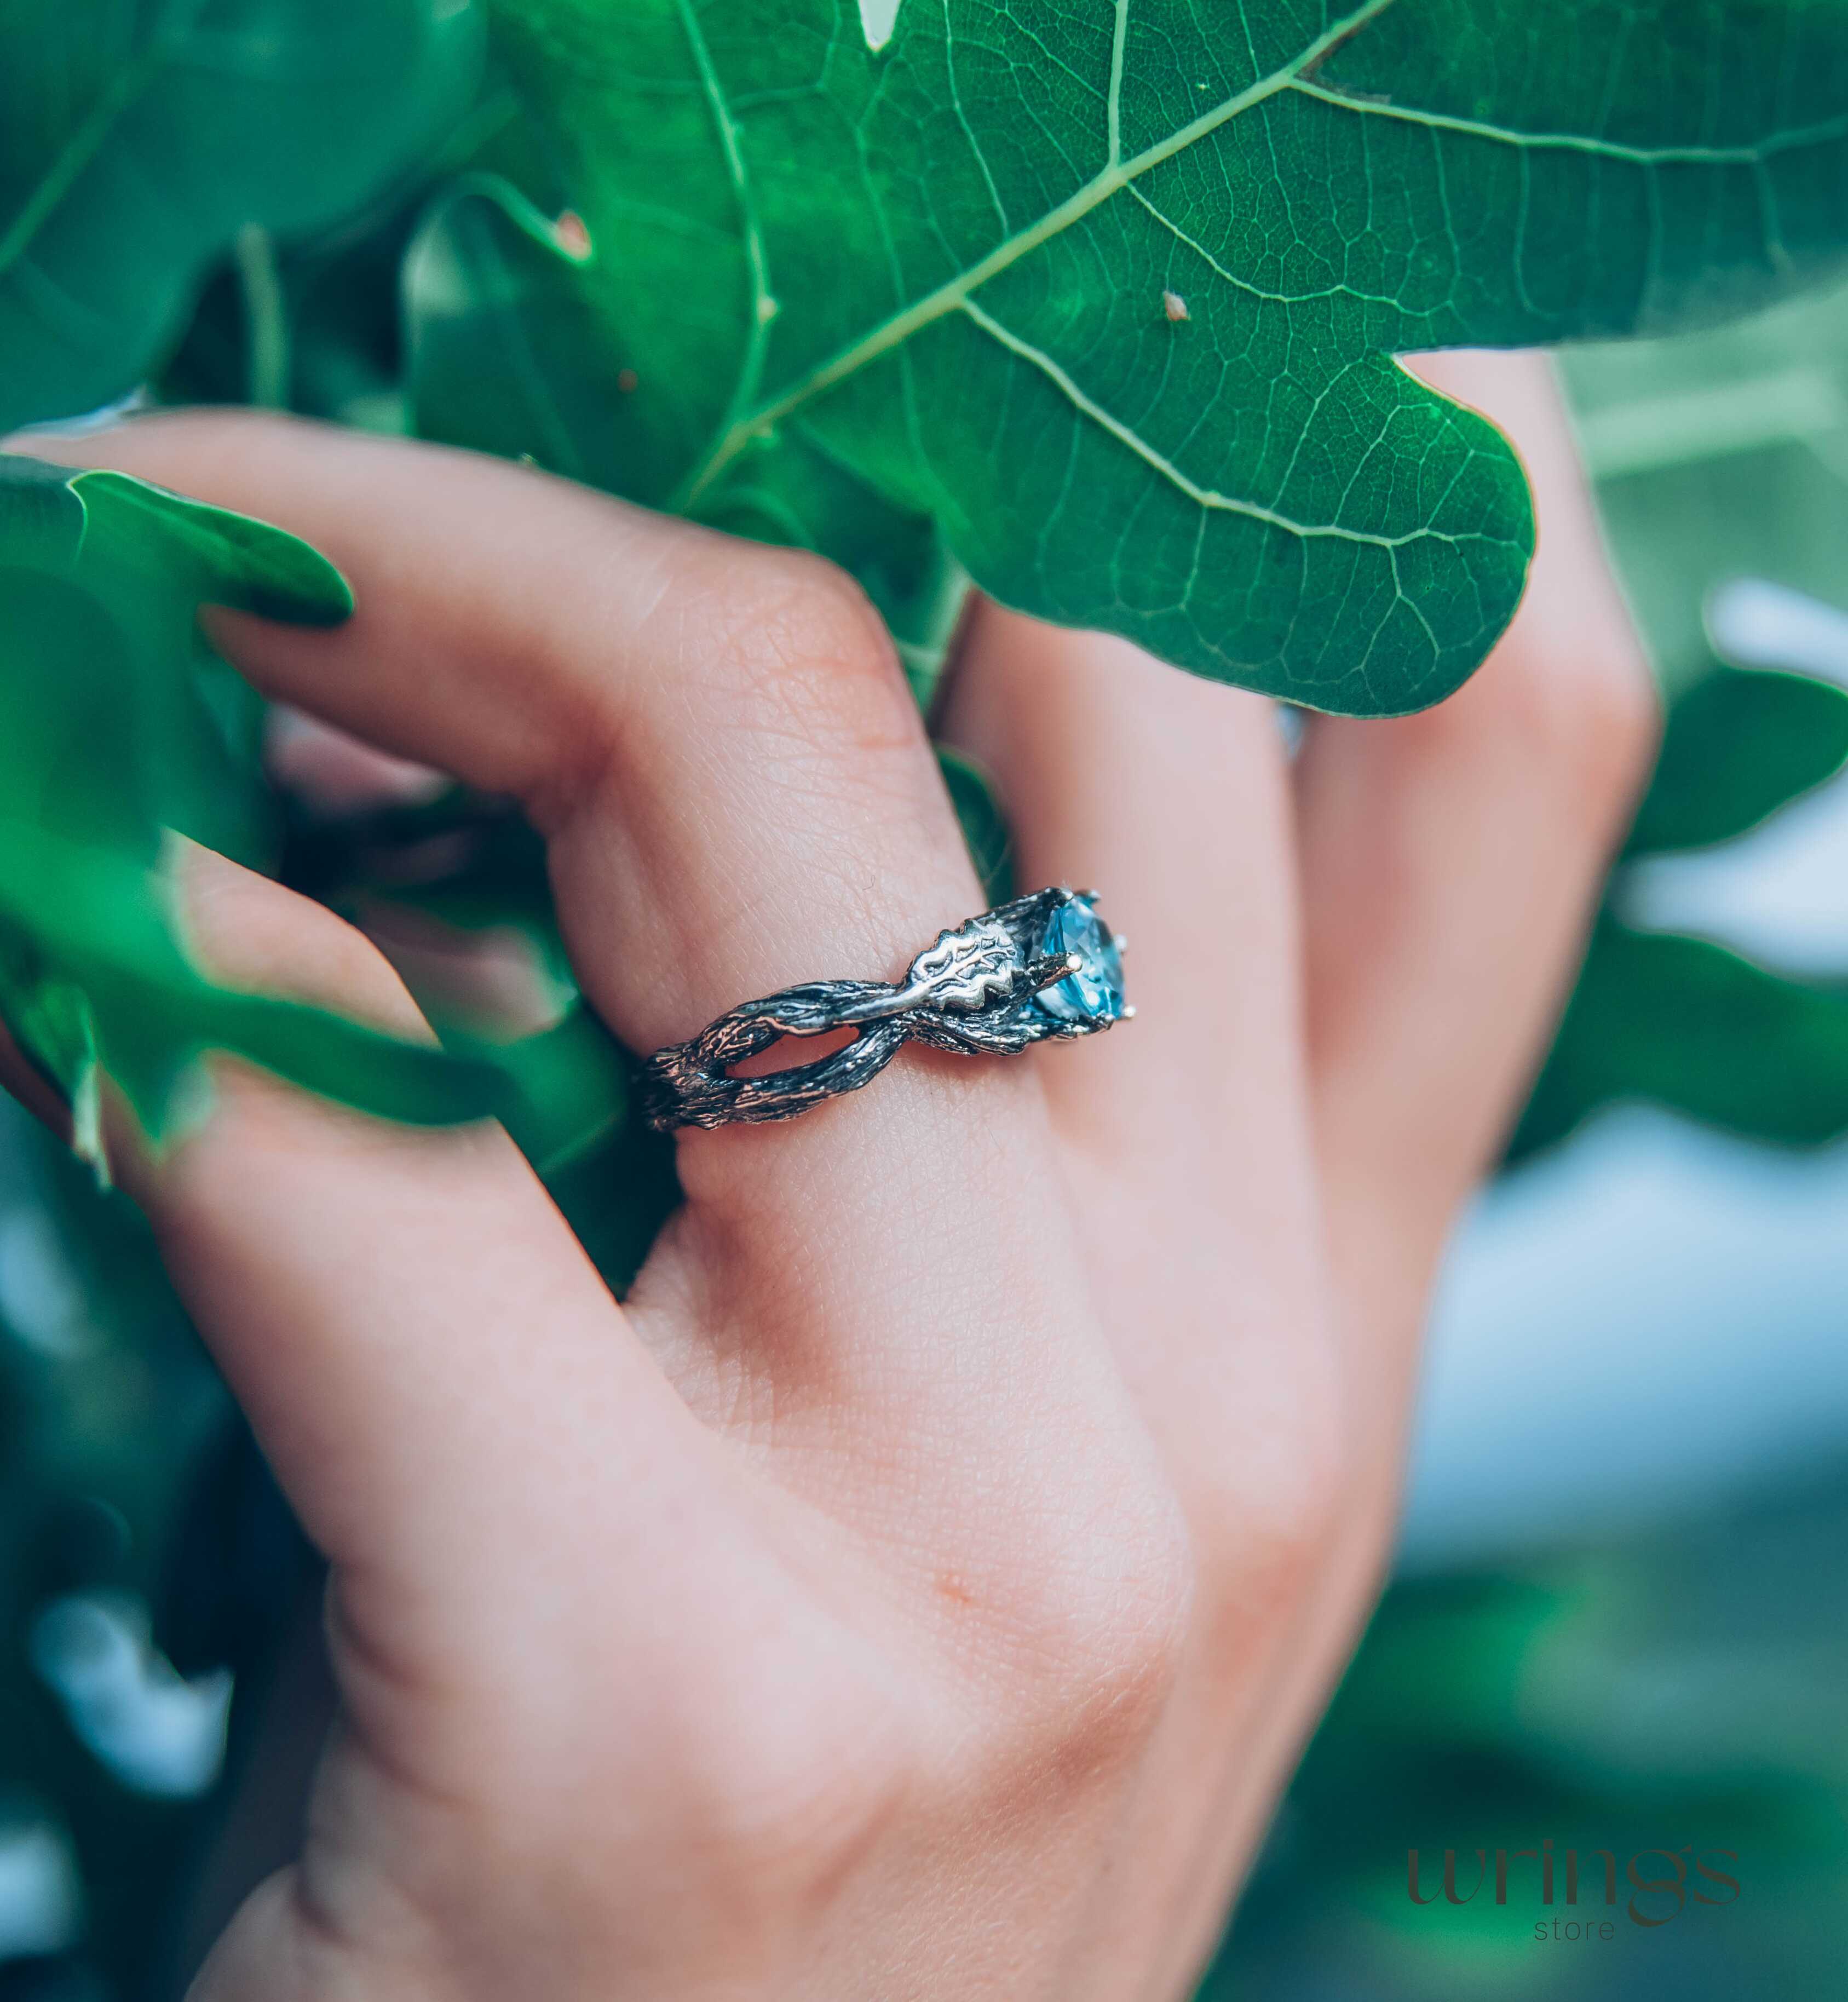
x,y
921,1586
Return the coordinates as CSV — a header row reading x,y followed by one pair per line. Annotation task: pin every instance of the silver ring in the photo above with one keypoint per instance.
x,y
1045,968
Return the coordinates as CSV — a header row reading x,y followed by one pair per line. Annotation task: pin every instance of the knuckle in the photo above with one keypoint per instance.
x,y
802,652
1592,718
783,1777
1293,1505
1104,1633
1284,1501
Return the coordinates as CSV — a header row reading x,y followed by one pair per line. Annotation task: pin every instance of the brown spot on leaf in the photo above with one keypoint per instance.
x,y
626,379
573,236
1174,305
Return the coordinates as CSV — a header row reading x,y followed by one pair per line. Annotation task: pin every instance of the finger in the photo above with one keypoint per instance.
x,y
527,1527
403,1314
1169,795
1184,1132
737,793
1450,862
709,727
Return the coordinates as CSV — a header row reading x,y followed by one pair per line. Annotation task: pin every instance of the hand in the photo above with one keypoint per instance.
x,y
920,1586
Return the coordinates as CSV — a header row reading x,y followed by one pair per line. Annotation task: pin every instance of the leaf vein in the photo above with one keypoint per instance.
x,y
949,296
1579,142
1203,497
763,304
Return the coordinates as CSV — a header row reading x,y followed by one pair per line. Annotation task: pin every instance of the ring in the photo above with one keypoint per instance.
x,y
1043,968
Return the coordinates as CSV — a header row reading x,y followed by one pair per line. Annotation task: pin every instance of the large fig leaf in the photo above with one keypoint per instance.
x,y
1110,293
139,137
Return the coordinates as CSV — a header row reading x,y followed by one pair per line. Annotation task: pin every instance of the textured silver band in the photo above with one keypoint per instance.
x,y
976,991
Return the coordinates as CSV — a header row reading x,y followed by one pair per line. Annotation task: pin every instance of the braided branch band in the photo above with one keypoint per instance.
x,y
971,992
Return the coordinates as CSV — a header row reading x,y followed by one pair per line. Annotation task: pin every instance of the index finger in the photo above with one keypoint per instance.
x,y
621,674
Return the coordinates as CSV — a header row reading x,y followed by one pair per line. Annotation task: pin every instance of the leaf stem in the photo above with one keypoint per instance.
x,y
265,311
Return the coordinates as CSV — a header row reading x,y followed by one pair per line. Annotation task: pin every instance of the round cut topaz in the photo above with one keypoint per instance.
x,y
1094,992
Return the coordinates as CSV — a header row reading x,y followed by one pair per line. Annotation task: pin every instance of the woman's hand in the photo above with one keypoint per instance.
x,y
921,1585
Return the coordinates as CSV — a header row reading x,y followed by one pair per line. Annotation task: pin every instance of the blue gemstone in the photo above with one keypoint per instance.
x,y
1094,993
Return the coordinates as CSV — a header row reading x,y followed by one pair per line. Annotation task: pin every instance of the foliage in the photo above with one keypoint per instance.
x,y
122,729
803,275
139,142
1719,456
1680,1688
1095,307
898,303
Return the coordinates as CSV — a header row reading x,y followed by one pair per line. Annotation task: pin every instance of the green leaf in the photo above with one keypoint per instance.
x,y
119,717
1719,455
984,827
120,725
508,355
562,1092
1737,747
96,522
1683,1022
946,264
93,981
1690,1025
137,142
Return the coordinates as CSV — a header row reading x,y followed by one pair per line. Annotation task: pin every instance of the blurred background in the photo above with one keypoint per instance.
x,y
1618,1622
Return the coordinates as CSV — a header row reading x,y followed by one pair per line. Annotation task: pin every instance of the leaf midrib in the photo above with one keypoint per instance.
x,y
1116,175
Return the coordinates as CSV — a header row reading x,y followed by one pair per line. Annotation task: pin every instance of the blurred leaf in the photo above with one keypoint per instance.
x,y
1737,746
949,282
1692,1026
92,980
136,142
1682,1687
315,324
564,1091
1683,1022
110,740
985,828
110,1398
119,722
1719,455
